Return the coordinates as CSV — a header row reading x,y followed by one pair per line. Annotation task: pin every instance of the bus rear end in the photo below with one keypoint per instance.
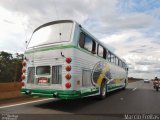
x,y
47,67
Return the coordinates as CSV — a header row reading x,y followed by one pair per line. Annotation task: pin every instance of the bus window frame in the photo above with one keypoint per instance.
x,y
44,68
82,40
49,24
104,51
109,56
117,61
82,43
112,58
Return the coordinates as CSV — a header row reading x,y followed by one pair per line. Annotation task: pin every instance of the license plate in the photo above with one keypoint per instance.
x,y
42,80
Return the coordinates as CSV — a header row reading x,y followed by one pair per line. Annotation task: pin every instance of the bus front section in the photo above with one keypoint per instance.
x,y
47,66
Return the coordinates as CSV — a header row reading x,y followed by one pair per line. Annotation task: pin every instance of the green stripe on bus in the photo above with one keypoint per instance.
x,y
55,47
63,94
113,86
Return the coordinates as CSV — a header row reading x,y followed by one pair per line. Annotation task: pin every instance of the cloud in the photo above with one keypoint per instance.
x,y
132,21
139,51
12,32
31,14
42,11
140,63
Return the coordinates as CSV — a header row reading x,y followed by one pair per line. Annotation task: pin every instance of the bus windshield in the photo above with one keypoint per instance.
x,y
55,33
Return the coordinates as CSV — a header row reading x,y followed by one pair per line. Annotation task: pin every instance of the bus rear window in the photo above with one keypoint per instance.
x,y
43,70
50,34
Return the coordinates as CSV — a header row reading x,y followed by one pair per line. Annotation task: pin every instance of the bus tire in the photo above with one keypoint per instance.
x,y
124,85
103,88
157,88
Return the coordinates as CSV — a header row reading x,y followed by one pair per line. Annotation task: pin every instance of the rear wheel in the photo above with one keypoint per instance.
x,y
125,85
154,87
157,88
103,90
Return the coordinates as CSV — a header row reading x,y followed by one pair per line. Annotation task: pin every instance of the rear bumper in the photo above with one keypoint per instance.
x,y
62,94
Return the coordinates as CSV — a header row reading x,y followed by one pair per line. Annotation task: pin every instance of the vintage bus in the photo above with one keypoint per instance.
x,y
63,60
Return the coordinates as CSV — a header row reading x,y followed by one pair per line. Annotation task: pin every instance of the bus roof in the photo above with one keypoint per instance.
x,y
83,29
52,22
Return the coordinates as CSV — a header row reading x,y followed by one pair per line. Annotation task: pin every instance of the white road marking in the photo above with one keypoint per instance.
x,y
25,103
134,89
121,98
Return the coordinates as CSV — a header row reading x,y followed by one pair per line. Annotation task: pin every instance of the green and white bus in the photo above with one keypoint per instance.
x,y
63,60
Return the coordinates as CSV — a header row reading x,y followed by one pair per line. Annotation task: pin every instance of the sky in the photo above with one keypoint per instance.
x,y
130,28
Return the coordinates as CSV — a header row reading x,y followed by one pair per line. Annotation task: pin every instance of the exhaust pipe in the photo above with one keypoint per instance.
x,y
28,92
55,95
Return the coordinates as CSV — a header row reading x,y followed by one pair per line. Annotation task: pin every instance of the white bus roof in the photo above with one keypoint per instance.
x,y
83,29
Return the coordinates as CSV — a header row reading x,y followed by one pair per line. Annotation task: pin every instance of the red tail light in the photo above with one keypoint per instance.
x,y
68,85
23,70
21,84
23,63
68,60
22,77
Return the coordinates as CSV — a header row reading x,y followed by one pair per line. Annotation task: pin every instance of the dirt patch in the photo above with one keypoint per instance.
x,y
6,87
10,90
10,94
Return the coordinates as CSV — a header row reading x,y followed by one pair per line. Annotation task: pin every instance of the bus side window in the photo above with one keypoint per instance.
x,y
117,61
101,51
109,56
127,69
120,63
123,65
112,58
104,53
94,47
81,40
88,44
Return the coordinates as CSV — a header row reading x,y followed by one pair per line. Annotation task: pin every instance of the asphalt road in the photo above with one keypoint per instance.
x,y
139,98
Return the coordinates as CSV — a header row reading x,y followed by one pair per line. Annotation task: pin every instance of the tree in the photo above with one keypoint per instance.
x,y
10,68
4,56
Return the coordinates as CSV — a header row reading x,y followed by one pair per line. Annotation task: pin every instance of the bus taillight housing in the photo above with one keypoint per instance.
x,y
21,84
23,70
68,68
22,77
23,63
68,85
68,60
68,76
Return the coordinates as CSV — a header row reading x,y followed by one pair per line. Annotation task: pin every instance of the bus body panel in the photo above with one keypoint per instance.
x,y
81,62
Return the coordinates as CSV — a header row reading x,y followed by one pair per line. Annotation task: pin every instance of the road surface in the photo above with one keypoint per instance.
x,y
138,98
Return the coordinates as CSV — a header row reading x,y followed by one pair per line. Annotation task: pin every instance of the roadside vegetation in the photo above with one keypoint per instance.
x,y
10,67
